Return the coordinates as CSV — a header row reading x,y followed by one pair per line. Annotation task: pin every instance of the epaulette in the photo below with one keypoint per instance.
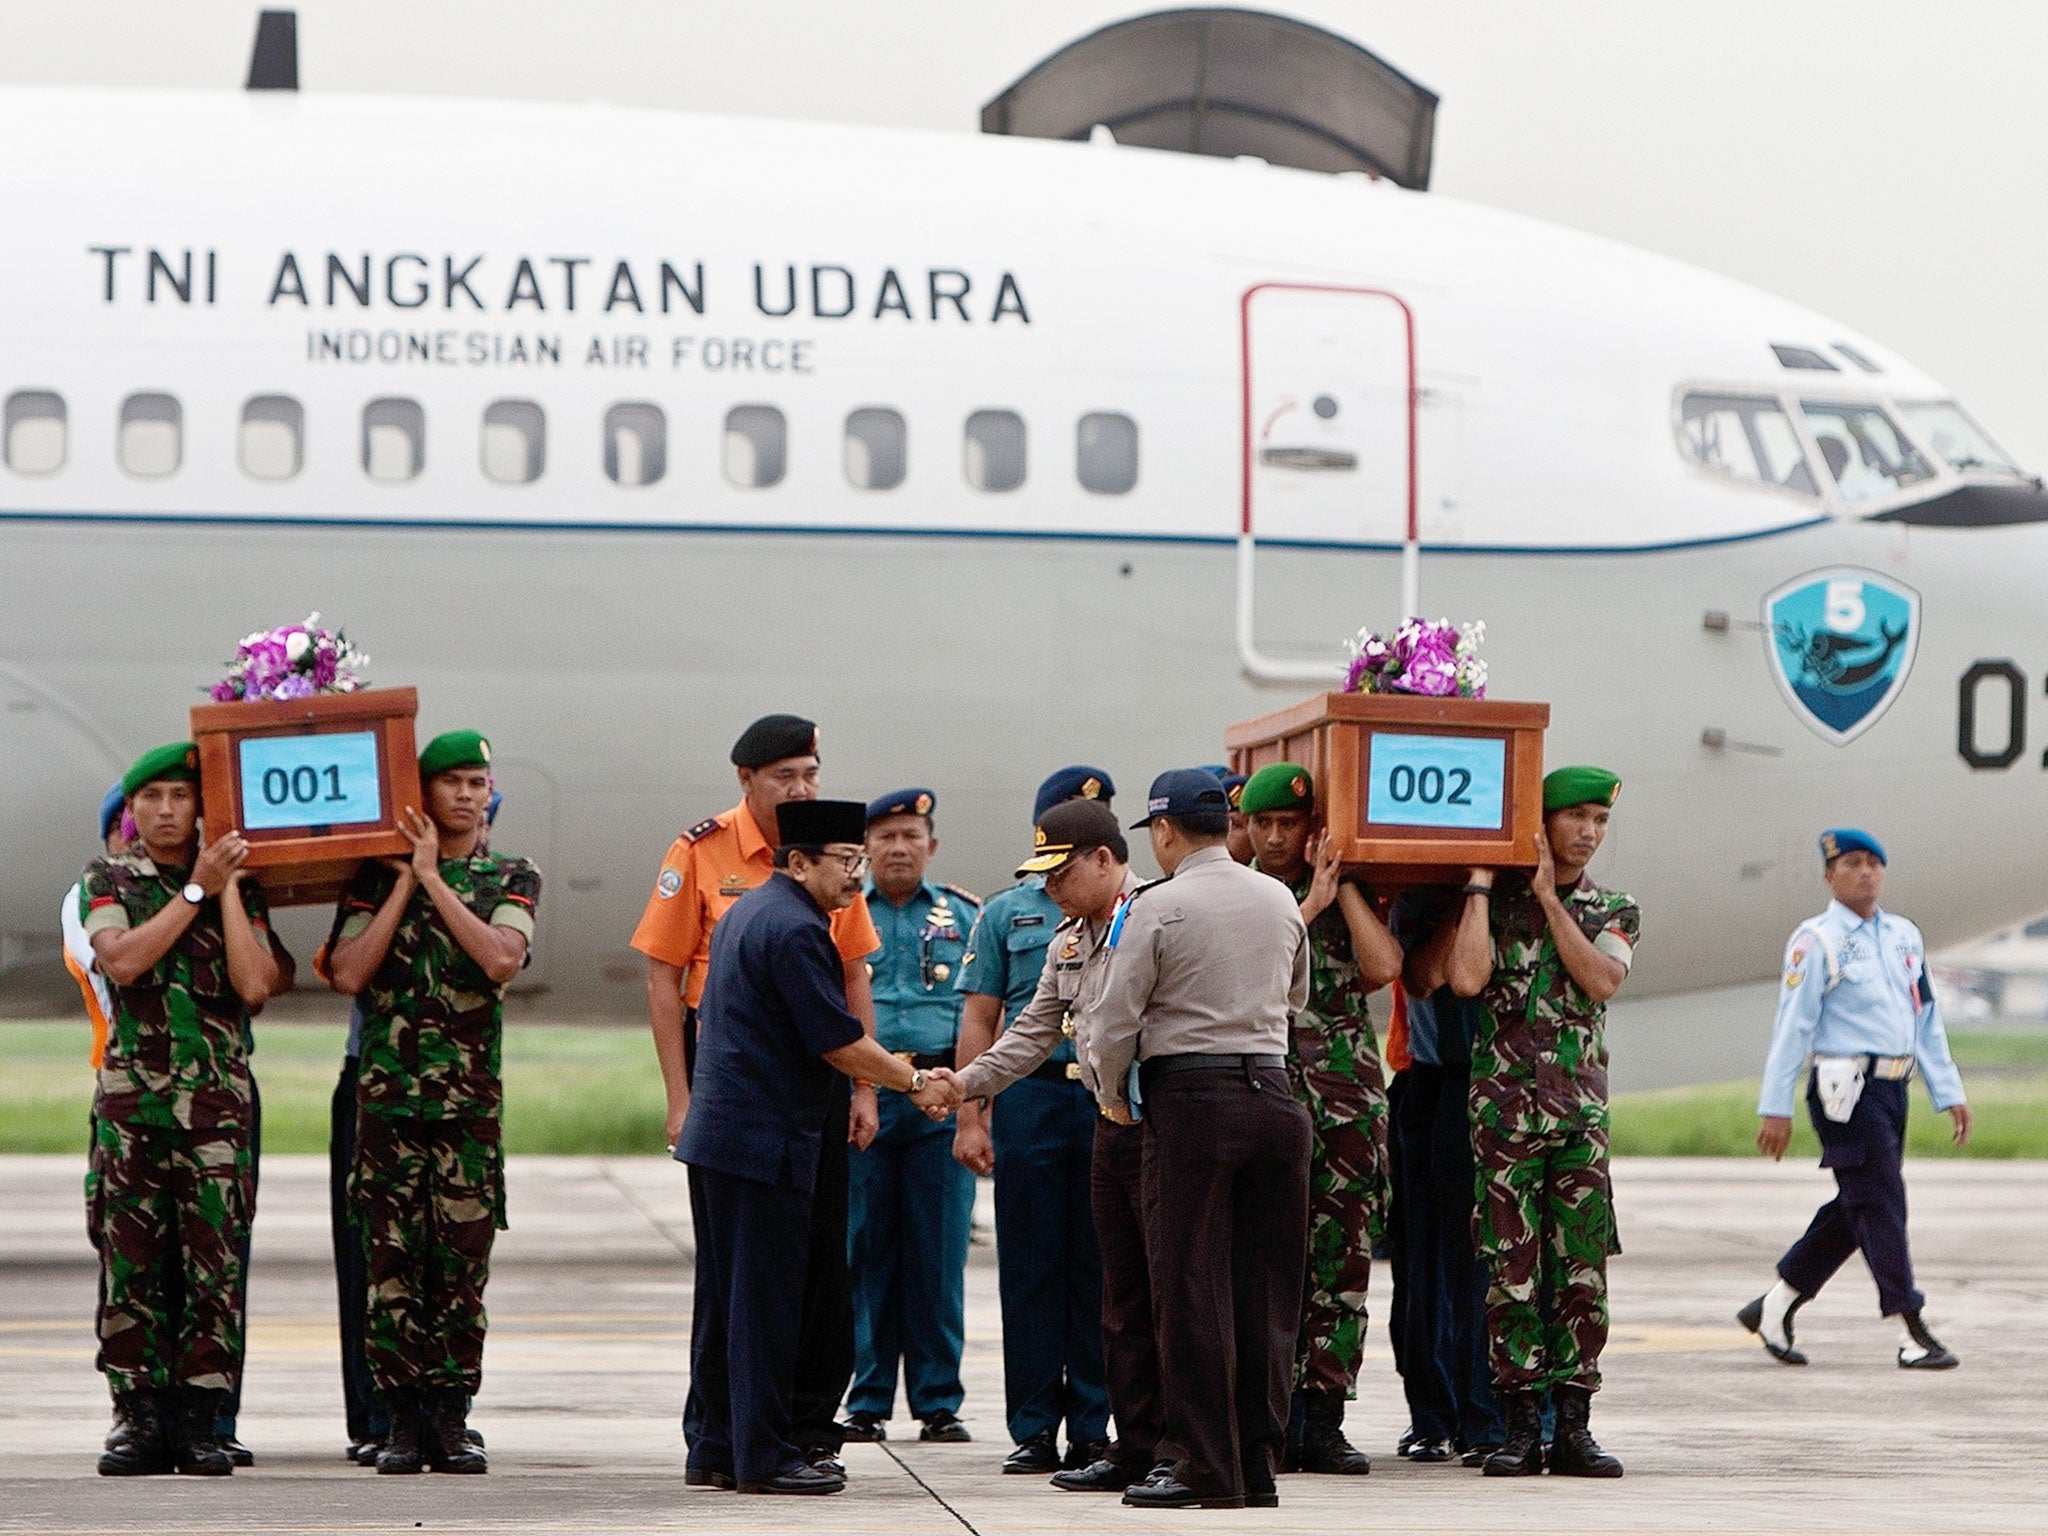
x,y
702,830
1148,885
962,892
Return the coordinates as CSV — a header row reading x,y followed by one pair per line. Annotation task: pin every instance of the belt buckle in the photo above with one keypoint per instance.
x,y
908,1058
1067,1025
1073,1071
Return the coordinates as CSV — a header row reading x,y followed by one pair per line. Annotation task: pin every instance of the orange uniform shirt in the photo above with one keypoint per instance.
x,y
705,871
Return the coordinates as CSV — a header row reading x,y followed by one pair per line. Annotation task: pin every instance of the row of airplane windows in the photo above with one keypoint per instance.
x,y
149,442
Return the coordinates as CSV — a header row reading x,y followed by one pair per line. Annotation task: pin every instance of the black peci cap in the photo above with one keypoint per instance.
x,y
814,823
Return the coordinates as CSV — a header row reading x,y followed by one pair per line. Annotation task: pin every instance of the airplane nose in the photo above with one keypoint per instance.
x,y
1976,506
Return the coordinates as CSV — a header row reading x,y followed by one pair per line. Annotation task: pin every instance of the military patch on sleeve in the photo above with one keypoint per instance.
x,y
702,830
670,882
1793,978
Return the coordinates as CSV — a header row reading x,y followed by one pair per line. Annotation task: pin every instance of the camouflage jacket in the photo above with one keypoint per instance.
x,y
433,1022
178,1043
1333,1052
1540,1046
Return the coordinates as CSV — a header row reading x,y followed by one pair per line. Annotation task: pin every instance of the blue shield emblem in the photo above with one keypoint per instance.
x,y
1841,643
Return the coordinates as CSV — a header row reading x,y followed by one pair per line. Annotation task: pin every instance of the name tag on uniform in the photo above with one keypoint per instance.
x,y
1028,920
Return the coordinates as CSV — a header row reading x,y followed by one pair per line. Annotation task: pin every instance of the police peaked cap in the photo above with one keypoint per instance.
x,y
173,760
1841,840
452,750
110,810
772,738
814,823
902,802
1079,782
1067,829
1278,787
1579,786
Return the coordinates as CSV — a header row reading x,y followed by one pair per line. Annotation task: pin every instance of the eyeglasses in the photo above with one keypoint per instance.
x,y
855,863
1058,876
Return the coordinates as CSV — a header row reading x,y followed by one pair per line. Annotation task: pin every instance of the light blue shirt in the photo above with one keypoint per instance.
x,y
1872,998
914,974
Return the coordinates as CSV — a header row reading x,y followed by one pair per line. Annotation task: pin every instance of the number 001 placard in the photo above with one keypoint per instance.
x,y
325,780
1436,781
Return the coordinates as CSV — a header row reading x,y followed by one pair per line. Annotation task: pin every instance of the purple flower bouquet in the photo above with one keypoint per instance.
x,y
292,662
1440,660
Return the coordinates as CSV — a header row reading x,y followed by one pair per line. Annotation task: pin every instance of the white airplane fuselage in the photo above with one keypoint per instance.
x,y
463,378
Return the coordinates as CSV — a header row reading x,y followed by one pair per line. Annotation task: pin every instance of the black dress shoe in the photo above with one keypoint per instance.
x,y
1407,1443
1038,1453
1431,1451
825,1458
801,1479
864,1427
1476,1455
1926,1352
1172,1493
706,1477
363,1452
1102,1476
1752,1318
238,1453
945,1428
1085,1453
1262,1498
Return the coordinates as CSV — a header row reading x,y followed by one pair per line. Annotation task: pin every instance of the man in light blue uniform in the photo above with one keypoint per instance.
x,y
1039,1141
1857,998
912,1205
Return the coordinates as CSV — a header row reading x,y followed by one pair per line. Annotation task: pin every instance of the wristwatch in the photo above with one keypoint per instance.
x,y
917,1080
194,892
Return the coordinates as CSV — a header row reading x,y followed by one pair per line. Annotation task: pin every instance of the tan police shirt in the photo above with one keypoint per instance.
x,y
1213,962
1070,978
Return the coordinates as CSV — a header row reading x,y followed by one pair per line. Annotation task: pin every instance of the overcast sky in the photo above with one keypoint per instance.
x,y
1879,160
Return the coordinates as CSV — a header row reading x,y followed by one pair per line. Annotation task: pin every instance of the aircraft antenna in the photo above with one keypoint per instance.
x,y
274,62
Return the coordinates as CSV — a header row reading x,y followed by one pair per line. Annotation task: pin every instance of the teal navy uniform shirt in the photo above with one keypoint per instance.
x,y
916,972
1006,951
1857,987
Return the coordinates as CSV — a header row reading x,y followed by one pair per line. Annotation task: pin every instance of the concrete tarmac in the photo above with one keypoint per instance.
x,y
586,1367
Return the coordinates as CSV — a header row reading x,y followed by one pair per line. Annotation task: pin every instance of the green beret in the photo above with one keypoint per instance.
x,y
454,749
1579,786
172,760
1278,787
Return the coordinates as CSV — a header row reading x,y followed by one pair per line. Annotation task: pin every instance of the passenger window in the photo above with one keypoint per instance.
x,y
272,444
995,450
756,446
152,437
876,449
34,431
635,443
1865,452
394,439
514,441
1746,438
1106,453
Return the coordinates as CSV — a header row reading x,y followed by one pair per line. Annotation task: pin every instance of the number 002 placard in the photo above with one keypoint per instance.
x,y
1436,781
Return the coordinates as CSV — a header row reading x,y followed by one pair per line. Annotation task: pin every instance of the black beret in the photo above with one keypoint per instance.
x,y
772,738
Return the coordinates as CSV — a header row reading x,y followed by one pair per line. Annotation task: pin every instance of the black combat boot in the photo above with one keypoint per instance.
x,y
401,1452
1521,1454
1573,1450
1323,1446
144,1449
448,1447
195,1448
1924,1352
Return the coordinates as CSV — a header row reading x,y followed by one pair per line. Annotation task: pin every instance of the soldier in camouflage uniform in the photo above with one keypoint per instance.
x,y
1543,953
1334,1064
183,938
427,946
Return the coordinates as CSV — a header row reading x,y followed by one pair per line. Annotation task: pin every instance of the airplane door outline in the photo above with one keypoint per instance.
x,y
1256,666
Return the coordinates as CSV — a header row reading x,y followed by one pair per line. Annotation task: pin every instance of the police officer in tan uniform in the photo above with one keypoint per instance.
x,y
1206,970
1082,854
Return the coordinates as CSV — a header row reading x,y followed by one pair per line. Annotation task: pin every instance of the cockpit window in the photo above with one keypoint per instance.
x,y
1944,427
1747,437
1803,357
1864,451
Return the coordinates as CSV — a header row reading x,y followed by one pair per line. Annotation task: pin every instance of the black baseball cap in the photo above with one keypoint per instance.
x,y
1184,792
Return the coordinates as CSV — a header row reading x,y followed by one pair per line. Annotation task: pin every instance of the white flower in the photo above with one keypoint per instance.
x,y
296,644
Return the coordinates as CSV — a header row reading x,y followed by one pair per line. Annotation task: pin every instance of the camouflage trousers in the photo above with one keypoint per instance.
x,y
158,1195
1544,1226
428,1197
1347,1210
